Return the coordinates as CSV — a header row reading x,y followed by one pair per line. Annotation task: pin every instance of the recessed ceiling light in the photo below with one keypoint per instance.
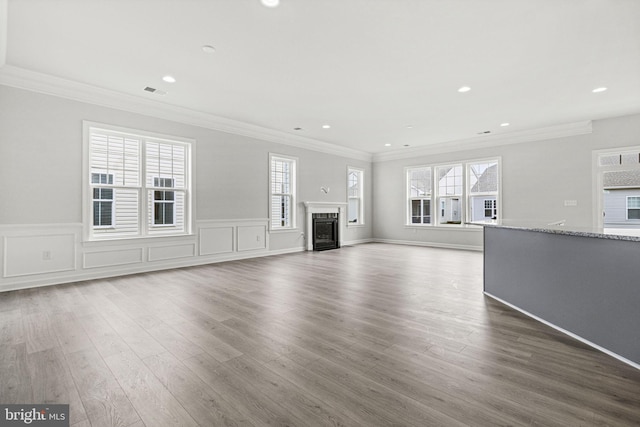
x,y
406,145
326,126
409,127
169,79
208,48
599,89
270,3
464,89
504,124
297,128
387,145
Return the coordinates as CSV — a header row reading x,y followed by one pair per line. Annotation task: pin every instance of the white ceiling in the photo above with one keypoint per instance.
x,y
368,68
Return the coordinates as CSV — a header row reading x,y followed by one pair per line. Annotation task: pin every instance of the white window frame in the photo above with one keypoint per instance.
x,y
144,191
436,198
422,199
497,205
292,194
359,197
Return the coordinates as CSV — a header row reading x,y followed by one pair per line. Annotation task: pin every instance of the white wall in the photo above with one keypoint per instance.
x,y
537,178
41,206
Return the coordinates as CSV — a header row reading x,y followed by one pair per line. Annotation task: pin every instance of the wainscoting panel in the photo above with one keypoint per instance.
x,y
44,254
27,255
160,253
252,237
216,240
112,258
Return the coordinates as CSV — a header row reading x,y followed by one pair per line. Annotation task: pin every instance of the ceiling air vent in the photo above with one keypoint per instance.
x,y
154,90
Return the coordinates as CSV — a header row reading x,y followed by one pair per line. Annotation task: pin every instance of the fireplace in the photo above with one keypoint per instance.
x,y
336,212
325,231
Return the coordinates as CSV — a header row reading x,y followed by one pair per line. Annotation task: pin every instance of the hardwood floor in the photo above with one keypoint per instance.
x,y
370,335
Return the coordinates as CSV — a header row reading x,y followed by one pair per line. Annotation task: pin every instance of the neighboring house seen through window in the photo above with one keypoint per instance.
x,y
464,192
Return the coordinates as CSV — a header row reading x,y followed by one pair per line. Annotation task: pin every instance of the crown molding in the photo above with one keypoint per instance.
x,y
43,83
532,135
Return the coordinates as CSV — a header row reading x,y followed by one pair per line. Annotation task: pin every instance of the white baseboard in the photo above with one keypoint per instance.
x,y
357,242
429,244
564,331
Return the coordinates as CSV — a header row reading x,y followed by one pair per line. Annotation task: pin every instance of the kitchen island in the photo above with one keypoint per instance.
x,y
583,282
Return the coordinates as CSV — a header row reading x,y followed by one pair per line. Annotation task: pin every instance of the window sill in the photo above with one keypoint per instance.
x,y
352,225
284,230
114,241
457,227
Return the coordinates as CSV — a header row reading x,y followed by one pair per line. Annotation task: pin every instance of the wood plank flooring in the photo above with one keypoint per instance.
x,y
369,335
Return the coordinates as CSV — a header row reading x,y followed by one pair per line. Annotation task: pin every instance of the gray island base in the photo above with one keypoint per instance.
x,y
586,284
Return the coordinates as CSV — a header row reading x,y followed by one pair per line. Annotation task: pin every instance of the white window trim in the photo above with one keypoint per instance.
x,y
294,194
361,181
435,197
87,196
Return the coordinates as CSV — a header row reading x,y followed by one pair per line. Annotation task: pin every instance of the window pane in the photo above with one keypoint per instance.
x,y
634,213
483,177
633,202
426,211
102,213
450,180
354,209
420,182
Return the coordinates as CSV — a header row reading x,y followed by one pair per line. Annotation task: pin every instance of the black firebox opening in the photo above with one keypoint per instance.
x,y
325,231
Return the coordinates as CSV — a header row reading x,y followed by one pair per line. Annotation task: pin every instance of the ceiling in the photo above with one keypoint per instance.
x,y
377,71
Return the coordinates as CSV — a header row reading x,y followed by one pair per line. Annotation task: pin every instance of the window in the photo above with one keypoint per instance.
x,y
633,207
355,196
419,190
441,189
617,185
283,190
450,194
483,190
490,208
139,184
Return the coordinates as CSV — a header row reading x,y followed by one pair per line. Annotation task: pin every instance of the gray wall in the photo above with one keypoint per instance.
x,y
537,177
41,149
41,176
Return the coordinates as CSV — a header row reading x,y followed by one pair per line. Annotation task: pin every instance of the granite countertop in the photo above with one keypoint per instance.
x,y
632,235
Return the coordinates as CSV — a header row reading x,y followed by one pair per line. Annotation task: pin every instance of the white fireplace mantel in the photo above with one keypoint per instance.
x,y
325,207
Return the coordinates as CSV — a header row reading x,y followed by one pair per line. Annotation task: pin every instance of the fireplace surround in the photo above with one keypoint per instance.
x,y
339,210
